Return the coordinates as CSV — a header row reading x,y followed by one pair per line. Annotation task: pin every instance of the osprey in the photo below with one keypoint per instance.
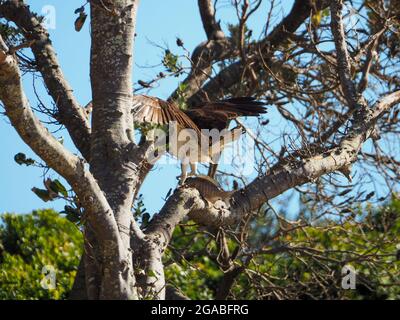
x,y
199,121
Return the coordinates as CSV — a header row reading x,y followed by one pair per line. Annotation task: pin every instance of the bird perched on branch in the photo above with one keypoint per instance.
x,y
202,131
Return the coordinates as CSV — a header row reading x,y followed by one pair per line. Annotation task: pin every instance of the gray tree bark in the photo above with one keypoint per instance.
x,y
120,260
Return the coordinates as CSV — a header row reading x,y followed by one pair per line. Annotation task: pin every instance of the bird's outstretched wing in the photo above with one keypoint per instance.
x,y
209,115
216,115
157,111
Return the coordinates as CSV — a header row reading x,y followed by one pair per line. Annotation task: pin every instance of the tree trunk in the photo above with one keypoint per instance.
x,y
112,33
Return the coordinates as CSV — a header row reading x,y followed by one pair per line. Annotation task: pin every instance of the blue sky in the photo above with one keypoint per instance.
x,y
158,22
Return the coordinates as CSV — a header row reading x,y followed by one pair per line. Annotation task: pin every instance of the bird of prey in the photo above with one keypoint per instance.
x,y
205,116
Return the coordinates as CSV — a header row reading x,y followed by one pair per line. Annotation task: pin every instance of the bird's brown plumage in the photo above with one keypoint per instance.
x,y
218,114
208,115
157,111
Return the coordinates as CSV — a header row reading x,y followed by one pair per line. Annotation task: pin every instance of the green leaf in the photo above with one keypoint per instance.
x,y
326,12
151,273
42,194
179,42
145,219
369,196
170,62
72,214
181,96
29,242
182,87
58,187
79,10
20,158
316,18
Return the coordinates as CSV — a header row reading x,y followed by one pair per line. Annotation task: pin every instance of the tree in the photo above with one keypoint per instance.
x,y
305,263
30,242
334,89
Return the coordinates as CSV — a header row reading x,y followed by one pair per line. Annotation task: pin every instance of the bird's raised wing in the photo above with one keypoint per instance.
x,y
156,111
216,115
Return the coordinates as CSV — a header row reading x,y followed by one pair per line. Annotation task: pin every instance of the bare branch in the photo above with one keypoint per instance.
x,y
172,293
232,74
71,115
343,58
180,204
202,59
62,161
188,202
41,141
211,26
275,183
371,56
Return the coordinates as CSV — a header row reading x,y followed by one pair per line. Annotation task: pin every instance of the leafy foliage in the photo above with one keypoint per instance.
x,y
188,268
10,34
234,34
304,263
140,212
318,16
33,241
72,214
181,99
54,189
171,62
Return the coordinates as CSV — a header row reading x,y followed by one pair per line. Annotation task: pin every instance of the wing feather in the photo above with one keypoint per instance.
x,y
218,114
157,111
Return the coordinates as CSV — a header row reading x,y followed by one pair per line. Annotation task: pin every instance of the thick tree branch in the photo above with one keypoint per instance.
x,y
172,293
115,160
35,135
202,59
111,72
70,113
41,141
232,74
342,55
207,53
227,282
158,235
181,203
275,183
188,202
211,26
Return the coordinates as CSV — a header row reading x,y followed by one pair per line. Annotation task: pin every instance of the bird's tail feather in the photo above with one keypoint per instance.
x,y
243,106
